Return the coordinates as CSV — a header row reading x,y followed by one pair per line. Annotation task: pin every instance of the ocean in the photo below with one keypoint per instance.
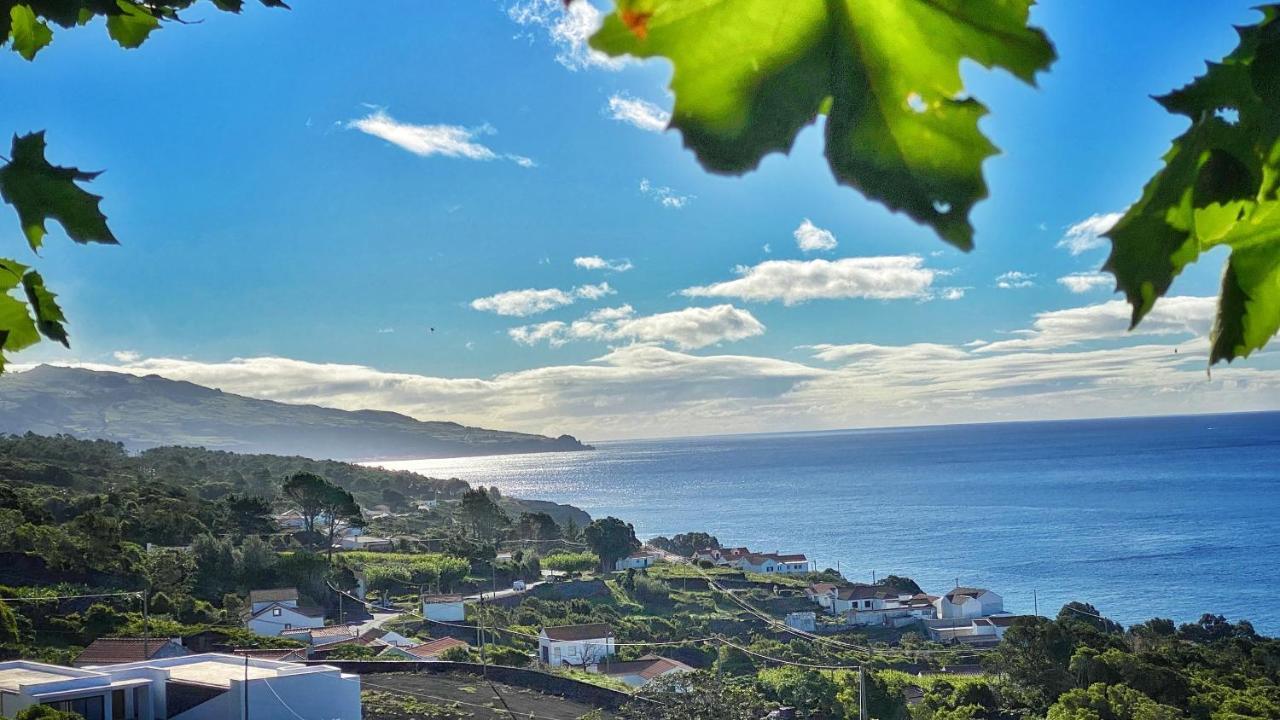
x,y
1143,517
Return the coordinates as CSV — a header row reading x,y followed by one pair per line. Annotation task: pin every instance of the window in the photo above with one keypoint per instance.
x,y
90,708
117,705
275,612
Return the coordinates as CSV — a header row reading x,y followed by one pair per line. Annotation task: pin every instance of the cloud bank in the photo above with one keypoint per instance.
x,y
892,277
688,329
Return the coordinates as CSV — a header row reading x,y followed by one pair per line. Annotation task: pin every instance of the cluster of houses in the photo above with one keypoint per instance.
x,y
970,615
756,562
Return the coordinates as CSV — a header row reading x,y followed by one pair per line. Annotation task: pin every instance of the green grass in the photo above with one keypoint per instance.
x,y
927,681
603,681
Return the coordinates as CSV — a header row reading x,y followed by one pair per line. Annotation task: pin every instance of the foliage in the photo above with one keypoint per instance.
x,y
809,691
1218,187
750,74
482,513
571,562
696,696
686,544
40,191
8,626
1110,702
537,526
45,712
352,652
1034,657
400,706
610,539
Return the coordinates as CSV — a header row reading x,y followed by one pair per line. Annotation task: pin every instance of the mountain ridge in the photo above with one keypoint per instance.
x,y
145,411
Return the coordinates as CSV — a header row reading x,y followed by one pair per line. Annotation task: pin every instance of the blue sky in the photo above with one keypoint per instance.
x,y
276,243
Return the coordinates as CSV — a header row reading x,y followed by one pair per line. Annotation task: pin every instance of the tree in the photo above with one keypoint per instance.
x,y
340,506
308,492
247,514
686,544
696,696
8,626
487,520
610,539
811,693
173,571
571,562
1110,702
1034,657
537,526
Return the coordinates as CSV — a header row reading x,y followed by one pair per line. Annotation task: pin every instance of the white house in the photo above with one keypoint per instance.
x,y
637,673
721,556
444,608
636,561
823,594
972,631
272,612
968,602
430,650
768,563
365,542
582,646
194,687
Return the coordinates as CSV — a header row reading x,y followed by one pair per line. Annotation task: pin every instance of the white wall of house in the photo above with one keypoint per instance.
x,y
316,695
575,653
452,611
276,618
634,562
988,603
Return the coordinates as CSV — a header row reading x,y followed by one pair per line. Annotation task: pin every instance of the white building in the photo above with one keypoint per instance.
x,y
195,687
636,561
584,646
444,608
768,563
973,631
968,602
272,612
638,673
366,542
802,621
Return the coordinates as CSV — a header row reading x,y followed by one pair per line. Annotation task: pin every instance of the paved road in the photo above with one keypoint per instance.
x,y
508,592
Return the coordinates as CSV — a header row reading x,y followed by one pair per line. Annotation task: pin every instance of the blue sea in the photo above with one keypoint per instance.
x,y
1143,517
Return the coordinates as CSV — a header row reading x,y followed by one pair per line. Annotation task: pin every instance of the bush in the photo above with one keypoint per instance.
x,y
571,562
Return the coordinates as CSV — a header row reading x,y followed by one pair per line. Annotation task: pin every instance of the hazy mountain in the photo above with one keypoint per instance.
x,y
144,412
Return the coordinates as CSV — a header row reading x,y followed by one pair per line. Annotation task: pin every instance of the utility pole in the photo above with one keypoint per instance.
x,y
246,687
146,627
862,693
1036,601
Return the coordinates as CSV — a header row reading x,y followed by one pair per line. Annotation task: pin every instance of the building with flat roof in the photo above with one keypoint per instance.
x,y
194,687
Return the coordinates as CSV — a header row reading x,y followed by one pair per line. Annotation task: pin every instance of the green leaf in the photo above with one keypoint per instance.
x,y
132,26
750,74
17,330
39,191
49,317
1218,187
28,33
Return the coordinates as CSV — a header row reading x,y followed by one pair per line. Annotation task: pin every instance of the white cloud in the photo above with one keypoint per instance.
x,y
1015,279
568,28
640,113
521,303
689,328
452,141
796,281
386,330
530,301
1083,282
593,292
952,293
595,262
811,238
1087,234
663,195
126,356
1177,315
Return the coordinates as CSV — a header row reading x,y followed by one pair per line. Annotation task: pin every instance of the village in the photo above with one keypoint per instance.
x,y
192,678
